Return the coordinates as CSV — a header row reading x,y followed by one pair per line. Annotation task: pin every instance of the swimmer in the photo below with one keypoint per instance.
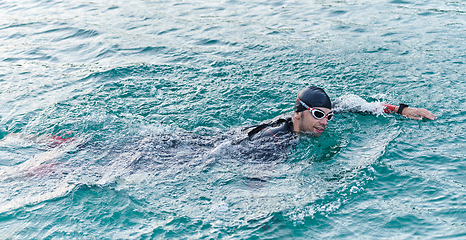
x,y
313,111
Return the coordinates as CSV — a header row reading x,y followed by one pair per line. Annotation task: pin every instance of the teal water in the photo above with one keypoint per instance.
x,y
152,89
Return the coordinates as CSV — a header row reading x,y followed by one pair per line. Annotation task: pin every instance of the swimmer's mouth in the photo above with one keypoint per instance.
x,y
319,129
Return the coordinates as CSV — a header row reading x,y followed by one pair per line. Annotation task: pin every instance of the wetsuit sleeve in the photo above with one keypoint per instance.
x,y
388,108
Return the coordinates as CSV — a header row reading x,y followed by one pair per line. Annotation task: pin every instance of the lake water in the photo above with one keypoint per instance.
x,y
153,92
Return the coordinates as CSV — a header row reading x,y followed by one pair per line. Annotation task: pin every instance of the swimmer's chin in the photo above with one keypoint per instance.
x,y
311,134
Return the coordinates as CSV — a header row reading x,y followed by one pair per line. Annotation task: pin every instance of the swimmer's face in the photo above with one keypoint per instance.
x,y
306,123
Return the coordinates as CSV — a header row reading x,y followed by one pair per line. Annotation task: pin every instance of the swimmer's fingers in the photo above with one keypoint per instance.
x,y
418,113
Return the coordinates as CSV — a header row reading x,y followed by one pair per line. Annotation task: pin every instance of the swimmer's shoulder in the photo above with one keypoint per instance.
x,y
276,127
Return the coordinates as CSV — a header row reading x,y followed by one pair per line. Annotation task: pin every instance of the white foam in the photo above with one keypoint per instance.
x,y
220,207
354,103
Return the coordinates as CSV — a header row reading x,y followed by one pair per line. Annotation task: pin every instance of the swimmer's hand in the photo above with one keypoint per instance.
x,y
417,113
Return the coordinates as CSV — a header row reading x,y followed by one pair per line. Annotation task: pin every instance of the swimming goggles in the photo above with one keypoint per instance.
x,y
317,113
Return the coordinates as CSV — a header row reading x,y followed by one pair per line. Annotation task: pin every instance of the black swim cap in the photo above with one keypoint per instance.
x,y
314,97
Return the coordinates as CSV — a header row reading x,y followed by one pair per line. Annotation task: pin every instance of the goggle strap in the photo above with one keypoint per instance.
x,y
304,104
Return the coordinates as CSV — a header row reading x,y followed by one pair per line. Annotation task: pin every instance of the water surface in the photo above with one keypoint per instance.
x,y
154,92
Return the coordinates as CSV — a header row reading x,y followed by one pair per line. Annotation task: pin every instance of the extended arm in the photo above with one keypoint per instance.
x,y
409,112
354,103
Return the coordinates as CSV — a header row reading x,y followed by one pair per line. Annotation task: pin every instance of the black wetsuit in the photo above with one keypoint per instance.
x,y
280,132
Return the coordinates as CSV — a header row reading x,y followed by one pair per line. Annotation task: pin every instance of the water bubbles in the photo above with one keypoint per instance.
x,y
355,189
220,207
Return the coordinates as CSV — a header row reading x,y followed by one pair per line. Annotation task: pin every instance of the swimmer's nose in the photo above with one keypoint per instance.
x,y
324,121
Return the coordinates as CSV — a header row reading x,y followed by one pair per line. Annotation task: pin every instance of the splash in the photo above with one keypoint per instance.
x,y
38,177
354,103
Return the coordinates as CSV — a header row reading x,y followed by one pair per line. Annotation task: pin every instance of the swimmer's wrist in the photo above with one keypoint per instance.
x,y
400,108
389,108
